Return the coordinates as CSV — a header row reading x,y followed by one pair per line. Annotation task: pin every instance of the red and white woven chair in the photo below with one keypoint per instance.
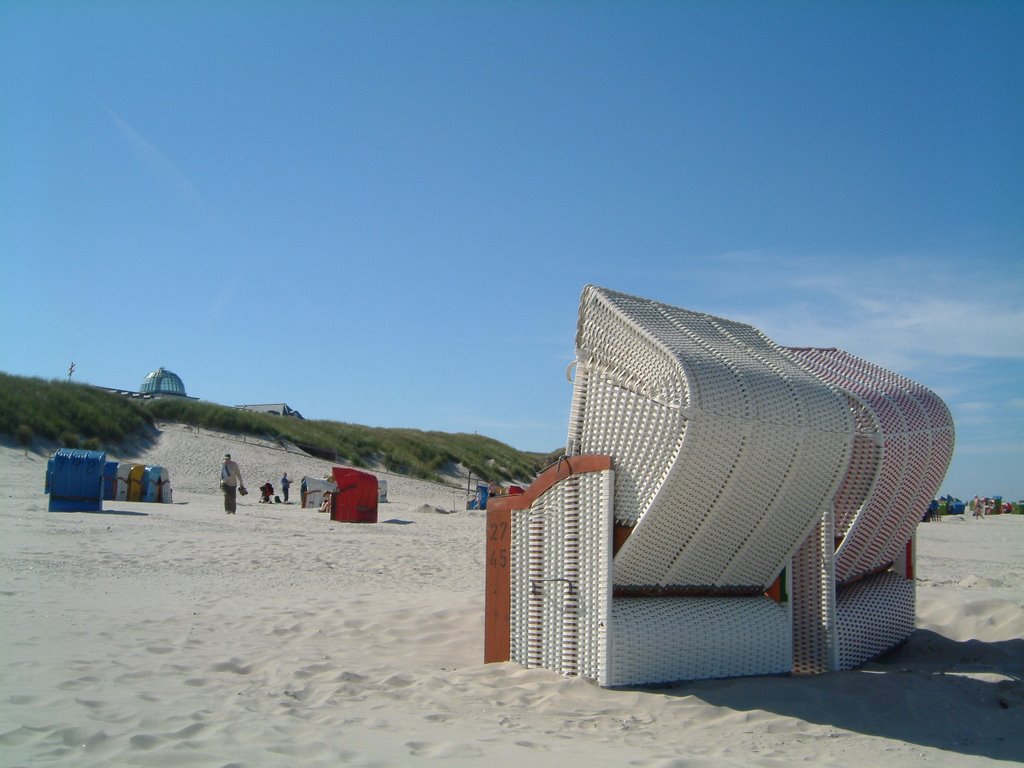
x,y
903,446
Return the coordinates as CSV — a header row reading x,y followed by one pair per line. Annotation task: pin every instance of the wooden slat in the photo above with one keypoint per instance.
x,y
498,586
561,469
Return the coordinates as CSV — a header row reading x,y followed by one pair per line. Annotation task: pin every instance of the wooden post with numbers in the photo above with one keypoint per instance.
x,y
498,584
498,581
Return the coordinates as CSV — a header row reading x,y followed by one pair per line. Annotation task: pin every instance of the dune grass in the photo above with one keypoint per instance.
x,y
80,416
74,415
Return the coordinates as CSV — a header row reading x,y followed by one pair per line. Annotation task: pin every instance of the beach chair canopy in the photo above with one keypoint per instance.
x,y
726,451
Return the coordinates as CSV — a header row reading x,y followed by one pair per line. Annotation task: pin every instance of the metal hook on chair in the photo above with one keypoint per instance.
x,y
536,590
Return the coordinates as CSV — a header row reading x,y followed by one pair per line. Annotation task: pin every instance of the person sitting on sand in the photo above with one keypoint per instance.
x,y
268,491
325,505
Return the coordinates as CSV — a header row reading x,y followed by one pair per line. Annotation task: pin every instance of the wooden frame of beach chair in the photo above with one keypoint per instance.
x,y
854,595
548,576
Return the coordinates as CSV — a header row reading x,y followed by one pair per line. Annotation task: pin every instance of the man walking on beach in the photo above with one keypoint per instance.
x,y
285,482
230,481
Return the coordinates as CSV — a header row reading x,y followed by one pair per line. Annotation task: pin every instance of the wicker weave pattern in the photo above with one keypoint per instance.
x,y
901,451
726,451
519,619
873,615
813,589
862,473
917,445
659,640
561,567
595,587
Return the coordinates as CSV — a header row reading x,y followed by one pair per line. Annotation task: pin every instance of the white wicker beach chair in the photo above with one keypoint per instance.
x,y
726,454
705,466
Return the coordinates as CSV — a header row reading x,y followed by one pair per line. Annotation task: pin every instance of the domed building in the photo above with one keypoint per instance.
x,y
162,382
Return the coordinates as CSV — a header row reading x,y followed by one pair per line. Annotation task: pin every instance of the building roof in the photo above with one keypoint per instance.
x,y
278,409
162,382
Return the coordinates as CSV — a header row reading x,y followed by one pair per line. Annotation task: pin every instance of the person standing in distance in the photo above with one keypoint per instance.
x,y
230,482
285,482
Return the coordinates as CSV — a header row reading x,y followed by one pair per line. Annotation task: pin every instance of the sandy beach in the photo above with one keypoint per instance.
x,y
176,635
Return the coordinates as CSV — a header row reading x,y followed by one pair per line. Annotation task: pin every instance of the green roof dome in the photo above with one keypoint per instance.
x,y
162,382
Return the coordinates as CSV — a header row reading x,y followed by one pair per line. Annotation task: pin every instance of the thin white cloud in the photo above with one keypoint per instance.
x,y
158,162
991,448
894,311
944,327
974,407
974,413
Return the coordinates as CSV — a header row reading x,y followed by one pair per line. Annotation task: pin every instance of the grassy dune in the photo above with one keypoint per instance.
x,y
80,416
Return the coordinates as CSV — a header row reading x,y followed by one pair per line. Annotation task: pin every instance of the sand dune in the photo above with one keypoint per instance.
x,y
175,635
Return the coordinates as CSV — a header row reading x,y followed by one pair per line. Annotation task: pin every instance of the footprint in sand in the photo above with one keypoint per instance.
x,y
189,731
81,737
81,682
443,749
350,677
234,665
142,741
311,670
531,745
17,736
397,681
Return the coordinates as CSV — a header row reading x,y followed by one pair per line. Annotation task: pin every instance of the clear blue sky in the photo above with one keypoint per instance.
x,y
384,212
